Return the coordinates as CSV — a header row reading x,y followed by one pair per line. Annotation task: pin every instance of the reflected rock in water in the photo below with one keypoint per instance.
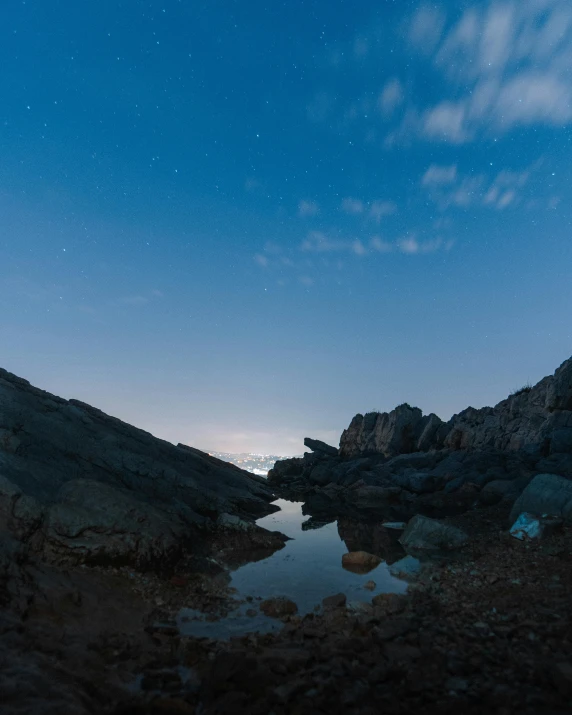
x,y
360,562
371,537
235,548
315,523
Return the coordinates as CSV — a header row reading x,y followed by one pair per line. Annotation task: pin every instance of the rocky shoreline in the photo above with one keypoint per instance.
x,y
107,532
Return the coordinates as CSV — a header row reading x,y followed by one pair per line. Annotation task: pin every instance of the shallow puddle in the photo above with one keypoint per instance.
x,y
308,569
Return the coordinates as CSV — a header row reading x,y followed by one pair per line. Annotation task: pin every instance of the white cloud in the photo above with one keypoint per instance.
x,y
379,209
410,245
447,188
318,242
508,64
497,38
391,97
534,98
261,260
506,199
426,27
358,248
380,246
308,208
446,122
438,175
352,206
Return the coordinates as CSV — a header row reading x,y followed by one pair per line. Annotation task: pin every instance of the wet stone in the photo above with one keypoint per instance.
x,y
337,601
278,607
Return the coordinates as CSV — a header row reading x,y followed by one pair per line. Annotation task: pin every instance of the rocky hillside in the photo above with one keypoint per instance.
x,y
79,486
402,462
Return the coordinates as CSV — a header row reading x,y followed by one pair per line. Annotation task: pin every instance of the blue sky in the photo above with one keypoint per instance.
x,y
238,224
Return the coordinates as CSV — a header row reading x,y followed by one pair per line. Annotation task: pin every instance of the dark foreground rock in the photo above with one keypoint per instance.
x,y
78,486
105,533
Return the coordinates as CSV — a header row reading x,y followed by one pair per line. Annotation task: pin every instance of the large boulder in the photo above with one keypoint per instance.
x,y
388,433
287,470
424,534
546,494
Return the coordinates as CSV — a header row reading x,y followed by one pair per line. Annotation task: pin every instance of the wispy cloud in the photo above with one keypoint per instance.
x,y
391,97
379,209
426,27
319,242
447,187
412,246
439,175
374,210
261,260
308,208
379,245
514,60
352,206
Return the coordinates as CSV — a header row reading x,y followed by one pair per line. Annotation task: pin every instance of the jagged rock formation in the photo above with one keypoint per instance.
x,y
316,445
538,419
79,486
402,462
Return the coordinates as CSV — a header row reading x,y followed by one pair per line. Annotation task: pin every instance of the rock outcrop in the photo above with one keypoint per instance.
x,y
402,462
538,419
78,486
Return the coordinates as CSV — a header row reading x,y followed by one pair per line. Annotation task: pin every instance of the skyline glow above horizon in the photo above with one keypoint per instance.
x,y
236,225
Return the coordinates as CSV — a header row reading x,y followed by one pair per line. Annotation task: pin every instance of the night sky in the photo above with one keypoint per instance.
x,y
236,224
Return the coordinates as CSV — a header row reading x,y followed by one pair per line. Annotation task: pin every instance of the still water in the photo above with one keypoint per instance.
x,y
306,570
309,567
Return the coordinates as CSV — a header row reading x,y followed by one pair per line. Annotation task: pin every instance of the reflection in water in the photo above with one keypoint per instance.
x,y
306,570
309,567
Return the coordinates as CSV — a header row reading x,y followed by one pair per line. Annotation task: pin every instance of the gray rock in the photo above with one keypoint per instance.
x,y
426,534
416,460
386,433
317,445
278,607
321,474
233,523
561,441
559,391
560,464
546,494
371,497
498,490
336,601
407,568
417,482
93,522
287,470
